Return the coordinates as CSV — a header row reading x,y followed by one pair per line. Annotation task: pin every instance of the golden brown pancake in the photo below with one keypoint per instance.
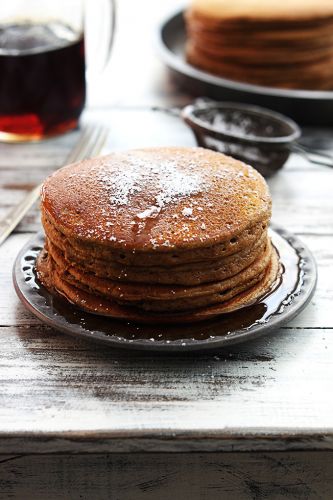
x,y
101,306
183,304
156,199
161,298
85,250
136,292
318,75
263,60
146,233
203,272
273,44
296,11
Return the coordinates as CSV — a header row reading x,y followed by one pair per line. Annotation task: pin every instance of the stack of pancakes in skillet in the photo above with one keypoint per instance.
x,y
278,44
158,235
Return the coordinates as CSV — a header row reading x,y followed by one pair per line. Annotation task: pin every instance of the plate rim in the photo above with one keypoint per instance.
x,y
179,345
175,63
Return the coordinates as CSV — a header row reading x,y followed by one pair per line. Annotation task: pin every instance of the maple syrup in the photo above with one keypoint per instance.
x,y
282,294
42,80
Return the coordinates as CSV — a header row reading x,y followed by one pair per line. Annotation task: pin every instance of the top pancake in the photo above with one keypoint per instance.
x,y
298,10
156,199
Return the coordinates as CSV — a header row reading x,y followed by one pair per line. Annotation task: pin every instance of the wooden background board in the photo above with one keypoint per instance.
x,y
59,395
156,476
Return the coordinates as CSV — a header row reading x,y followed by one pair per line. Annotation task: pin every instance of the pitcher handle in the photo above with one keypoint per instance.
x,y
106,31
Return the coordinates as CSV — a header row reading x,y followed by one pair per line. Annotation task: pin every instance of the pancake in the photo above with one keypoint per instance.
x,y
251,57
101,306
87,250
136,292
287,46
183,304
309,75
181,275
156,199
159,234
299,12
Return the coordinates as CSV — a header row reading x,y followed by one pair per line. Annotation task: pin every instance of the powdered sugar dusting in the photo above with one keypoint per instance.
x,y
169,181
187,211
120,184
150,212
174,183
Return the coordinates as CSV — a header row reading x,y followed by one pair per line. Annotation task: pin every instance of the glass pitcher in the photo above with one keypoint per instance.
x,y
42,63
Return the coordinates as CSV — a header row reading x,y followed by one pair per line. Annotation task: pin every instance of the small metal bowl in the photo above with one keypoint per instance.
x,y
254,135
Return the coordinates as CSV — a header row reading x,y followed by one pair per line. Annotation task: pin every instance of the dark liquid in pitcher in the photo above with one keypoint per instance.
x,y
42,79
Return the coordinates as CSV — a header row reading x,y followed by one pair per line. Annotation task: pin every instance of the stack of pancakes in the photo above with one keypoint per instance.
x,y
277,44
158,235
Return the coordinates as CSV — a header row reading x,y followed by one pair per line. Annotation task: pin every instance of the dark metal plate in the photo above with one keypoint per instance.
x,y
308,107
296,289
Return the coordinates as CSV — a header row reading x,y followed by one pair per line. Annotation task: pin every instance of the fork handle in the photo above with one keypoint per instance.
x,y
90,144
8,224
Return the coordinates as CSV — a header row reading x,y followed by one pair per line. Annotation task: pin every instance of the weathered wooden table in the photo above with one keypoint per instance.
x,y
79,420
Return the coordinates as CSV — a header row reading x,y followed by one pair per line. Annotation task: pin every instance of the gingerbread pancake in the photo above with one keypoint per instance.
x,y
137,292
86,250
202,272
274,44
146,233
156,199
99,305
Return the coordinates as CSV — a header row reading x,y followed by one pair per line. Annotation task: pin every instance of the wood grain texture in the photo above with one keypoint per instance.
x,y
268,394
59,395
214,476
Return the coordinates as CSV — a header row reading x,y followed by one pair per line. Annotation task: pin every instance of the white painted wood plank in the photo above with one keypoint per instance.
x,y
319,312
68,395
302,199
11,309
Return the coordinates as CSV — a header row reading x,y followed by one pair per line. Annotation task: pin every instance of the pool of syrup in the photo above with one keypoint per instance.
x,y
55,310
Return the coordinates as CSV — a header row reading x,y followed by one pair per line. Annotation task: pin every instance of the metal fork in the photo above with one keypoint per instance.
x,y
91,141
